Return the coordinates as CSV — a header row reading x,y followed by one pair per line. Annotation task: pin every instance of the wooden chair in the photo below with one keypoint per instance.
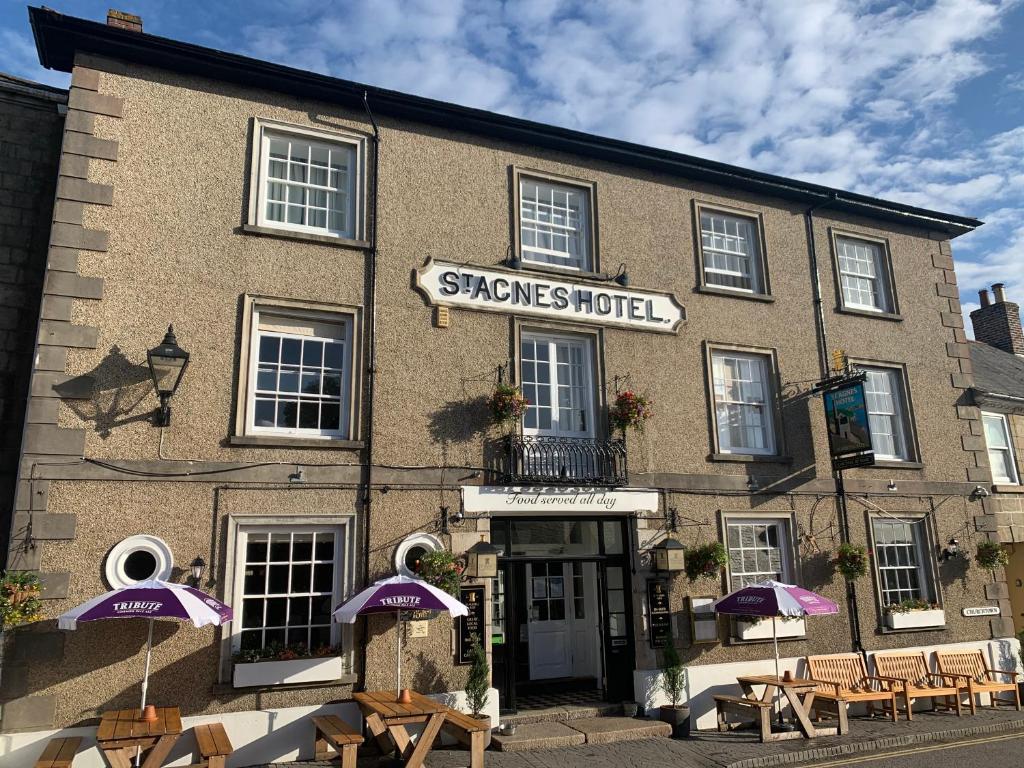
x,y
843,679
911,678
759,711
59,753
212,744
469,732
970,666
336,738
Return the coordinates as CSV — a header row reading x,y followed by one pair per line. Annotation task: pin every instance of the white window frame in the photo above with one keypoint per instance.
x,y
342,319
900,396
263,131
881,280
551,258
784,532
589,363
755,259
1011,459
921,548
769,404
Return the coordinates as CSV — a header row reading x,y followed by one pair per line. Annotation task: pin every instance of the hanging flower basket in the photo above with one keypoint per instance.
x,y
992,555
507,404
630,411
706,561
442,570
851,561
19,598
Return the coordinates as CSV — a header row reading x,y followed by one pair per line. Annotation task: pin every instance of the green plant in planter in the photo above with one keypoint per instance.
x,y
706,561
992,555
673,675
630,411
278,652
19,598
911,604
441,569
507,404
479,680
851,561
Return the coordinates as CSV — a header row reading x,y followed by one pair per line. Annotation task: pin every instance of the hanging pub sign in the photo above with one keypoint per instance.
x,y
471,624
494,289
661,617
849,435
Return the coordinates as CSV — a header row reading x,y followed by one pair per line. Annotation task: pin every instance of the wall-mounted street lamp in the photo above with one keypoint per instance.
x,y
482,560
167,364
198,568
670,556
951,551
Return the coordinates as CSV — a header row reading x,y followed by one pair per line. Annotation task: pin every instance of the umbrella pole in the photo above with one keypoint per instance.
x,y
398,645
149,657
775,639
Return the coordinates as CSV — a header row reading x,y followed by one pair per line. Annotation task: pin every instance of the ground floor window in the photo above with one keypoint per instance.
x,y
901,547
758,551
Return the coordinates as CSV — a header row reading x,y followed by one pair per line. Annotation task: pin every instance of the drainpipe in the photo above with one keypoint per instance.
x,y
371,366
837,476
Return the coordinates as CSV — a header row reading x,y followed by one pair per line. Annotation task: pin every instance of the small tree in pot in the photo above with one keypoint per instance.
x,y
673,683
478,683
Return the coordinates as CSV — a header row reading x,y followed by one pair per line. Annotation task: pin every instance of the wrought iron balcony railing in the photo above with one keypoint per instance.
x,y
565,461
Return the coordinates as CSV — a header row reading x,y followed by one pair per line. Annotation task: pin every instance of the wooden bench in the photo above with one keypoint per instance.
x,y
759,711
59,753
971,669
843,679
469,732
910,677
336,738
213,745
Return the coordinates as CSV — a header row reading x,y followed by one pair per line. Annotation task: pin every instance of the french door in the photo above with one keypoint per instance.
x,y
557,378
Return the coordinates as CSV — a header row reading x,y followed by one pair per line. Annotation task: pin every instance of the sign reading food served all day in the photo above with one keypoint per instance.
x,y
556,500
504,290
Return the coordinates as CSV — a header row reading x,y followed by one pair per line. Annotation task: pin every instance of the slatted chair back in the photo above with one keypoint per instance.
x,y
905,666
970,663
846,669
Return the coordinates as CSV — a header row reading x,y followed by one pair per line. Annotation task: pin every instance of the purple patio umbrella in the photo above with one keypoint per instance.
x,y
774,599
394,595
150,599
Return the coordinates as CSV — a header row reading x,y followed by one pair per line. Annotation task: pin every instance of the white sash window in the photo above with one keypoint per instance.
x,y
554,224
1000,449
744,411
557,378
862,275
731,252
887,413
900,547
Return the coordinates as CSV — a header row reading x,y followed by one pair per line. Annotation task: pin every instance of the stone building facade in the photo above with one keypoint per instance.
x,y
354,272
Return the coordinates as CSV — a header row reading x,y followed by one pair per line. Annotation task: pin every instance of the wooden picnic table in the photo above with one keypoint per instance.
x,y
123,731
799,692
387,719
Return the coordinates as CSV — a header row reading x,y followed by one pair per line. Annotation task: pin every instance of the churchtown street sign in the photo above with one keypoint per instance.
x,y
491,289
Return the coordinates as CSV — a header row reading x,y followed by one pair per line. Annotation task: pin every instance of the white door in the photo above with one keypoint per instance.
x,y
586,630
549,587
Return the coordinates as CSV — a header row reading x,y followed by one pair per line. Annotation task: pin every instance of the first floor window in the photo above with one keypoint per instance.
x,y
758,551
901,548
731,251
888,417
554,224
744,413
1000,449
557,378
300,366
862,275
289,582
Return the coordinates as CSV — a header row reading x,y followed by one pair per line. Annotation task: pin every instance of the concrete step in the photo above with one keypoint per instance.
x,y
588,730
561,714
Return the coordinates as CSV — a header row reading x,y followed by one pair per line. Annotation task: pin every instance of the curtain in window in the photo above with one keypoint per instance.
x,y
883,392
742,403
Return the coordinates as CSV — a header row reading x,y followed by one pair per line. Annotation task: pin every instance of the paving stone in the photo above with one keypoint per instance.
x,y
538,736
606,730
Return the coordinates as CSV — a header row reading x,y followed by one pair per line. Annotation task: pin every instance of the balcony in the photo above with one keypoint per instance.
x,y
564,461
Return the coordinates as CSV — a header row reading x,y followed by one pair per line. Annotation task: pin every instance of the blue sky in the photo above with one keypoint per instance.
x,y
921,102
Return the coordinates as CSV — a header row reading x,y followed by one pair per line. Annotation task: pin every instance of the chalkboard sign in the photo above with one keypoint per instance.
x,y
472,624
661,618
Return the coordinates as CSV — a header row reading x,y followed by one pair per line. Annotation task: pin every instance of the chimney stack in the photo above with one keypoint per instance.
x,y
997,323
123,20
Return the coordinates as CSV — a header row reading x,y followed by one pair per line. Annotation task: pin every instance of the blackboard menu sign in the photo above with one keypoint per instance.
x,y
661,619
472,624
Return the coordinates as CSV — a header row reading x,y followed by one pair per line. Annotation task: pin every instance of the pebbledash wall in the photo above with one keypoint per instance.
x,y
152,226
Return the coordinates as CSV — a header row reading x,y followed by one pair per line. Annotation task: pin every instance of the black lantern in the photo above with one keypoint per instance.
x,y
197,567
167,364
669,556
482,560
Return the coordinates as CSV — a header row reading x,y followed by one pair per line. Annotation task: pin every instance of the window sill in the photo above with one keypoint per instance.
x,y
884,630
890,464
750,457
221,689
254,229
1007,488
765,298
283,441
891,316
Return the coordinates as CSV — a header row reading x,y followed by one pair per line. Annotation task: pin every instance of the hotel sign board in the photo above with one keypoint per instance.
x,y
490,289
502,499
849,435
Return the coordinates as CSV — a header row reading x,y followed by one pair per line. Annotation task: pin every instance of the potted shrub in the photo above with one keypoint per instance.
x,y
851,561
286,665
992,555
629,411
441,569
507,404
706,561
478,683
19,598
914,614
673,684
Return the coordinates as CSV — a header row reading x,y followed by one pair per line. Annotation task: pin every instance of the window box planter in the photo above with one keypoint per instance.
x,y
313,670
762,630
935,617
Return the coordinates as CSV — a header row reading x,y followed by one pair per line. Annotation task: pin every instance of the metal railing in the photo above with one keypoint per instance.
x,y
565,461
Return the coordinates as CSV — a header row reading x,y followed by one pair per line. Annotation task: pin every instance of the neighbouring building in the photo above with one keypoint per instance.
x,y
353,272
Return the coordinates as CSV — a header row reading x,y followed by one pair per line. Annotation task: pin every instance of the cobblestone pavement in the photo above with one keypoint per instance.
x,y
738,749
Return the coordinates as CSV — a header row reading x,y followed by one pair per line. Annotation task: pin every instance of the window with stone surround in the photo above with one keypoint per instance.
x,y
731,251
1000,449
863,269
555,222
